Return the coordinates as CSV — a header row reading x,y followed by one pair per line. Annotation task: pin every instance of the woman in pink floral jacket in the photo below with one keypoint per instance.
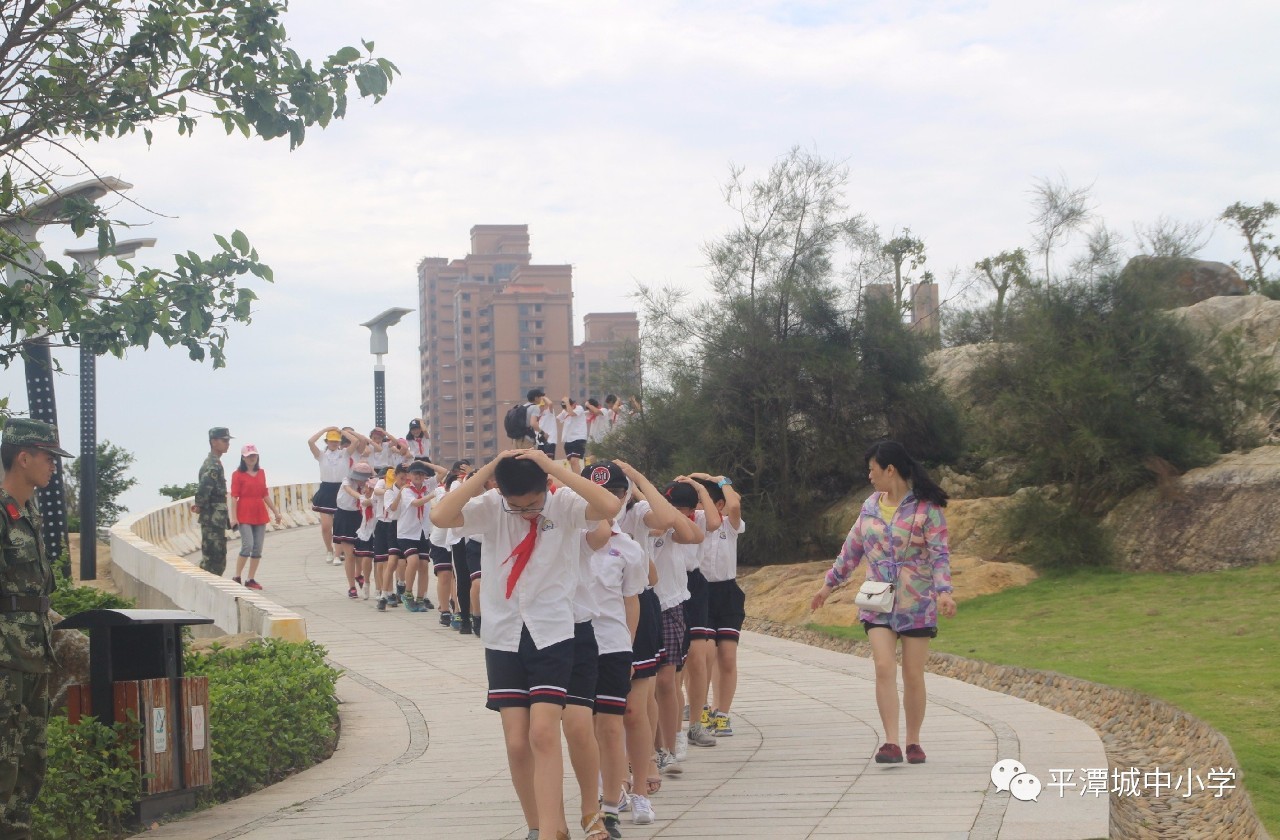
x,y
901,534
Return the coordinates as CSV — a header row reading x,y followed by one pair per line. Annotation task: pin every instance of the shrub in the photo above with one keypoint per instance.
x,y
272,712
1057,536
91,783
69,599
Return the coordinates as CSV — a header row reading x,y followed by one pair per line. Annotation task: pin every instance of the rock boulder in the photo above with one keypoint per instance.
x,y
1184,281
1216,517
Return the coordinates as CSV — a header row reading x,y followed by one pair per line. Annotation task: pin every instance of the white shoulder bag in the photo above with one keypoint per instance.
x,y
878,595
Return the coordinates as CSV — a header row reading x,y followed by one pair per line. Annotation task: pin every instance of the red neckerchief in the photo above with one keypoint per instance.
x,y
520,556
418,495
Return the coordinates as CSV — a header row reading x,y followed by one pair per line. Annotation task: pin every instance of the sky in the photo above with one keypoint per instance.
x,y
610,127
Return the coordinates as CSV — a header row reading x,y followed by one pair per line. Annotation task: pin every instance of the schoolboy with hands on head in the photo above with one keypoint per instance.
x,y
529,559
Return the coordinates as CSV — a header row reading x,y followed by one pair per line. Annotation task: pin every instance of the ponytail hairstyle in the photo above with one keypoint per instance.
x,y
455,473
888,453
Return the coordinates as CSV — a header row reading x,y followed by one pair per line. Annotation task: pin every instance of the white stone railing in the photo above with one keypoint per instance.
x,y
146,558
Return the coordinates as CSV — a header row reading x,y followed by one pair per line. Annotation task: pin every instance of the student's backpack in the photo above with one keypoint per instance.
x,y
516,422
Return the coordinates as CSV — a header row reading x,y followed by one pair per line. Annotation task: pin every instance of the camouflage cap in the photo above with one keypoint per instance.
x,y
219,432
23,431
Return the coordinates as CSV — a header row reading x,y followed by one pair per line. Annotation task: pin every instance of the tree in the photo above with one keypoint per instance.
x,y
1168,237
1003,272
178,492
1253,222
1060,210
113,463
904,250
785,375
77,71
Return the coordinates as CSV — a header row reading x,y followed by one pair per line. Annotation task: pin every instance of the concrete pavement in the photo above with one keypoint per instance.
x,y
421,756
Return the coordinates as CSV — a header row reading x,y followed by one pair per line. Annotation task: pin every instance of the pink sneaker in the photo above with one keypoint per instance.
x,y
252,584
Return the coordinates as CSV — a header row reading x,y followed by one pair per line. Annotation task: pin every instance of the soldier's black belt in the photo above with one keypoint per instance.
x,y
24,603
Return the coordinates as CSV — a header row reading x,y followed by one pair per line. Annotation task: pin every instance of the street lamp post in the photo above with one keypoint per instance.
x,y
28,266
378,347
88,258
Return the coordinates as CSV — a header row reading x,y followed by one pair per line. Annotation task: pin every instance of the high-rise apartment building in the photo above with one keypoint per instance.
x,y
493,325
608,357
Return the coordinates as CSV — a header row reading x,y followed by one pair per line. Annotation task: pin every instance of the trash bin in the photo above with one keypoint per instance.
x,y
135,665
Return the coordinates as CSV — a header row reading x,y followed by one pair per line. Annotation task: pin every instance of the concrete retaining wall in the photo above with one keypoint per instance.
x,y
146,556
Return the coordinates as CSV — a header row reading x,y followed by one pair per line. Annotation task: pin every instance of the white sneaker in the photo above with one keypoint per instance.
x,y
364,591
682,745
641,810
335,560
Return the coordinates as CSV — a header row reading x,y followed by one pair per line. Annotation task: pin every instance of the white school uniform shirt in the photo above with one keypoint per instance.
x,y
719,560
600,425
382,504
419,447
438,535
618,570
673,562
382,456
575,423
409,524
345,500
334,465
542,599
547,424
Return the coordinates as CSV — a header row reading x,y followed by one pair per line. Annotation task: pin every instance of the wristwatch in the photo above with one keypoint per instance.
x,y
722,482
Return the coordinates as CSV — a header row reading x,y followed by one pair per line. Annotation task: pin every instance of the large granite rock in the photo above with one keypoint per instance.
x,y
1256,316
952,366
1216,517
71,647
1184,281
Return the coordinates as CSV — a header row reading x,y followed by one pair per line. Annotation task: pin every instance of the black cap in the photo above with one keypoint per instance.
x,y
681,495
607,474
420,468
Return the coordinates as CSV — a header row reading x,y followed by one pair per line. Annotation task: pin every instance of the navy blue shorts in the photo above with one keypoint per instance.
x,y
697,614
530,675
647,647
586,655
727,608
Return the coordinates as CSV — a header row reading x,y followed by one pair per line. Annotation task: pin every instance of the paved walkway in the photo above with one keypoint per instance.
x,y
420,756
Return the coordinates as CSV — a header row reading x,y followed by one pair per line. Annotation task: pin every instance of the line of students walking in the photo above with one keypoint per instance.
x,y
605,602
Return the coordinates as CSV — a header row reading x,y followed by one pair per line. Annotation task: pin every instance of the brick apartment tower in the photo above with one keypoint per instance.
x,y
607,335
493,325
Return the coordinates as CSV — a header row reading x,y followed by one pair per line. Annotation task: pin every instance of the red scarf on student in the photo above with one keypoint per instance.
x,y
520,557
418,494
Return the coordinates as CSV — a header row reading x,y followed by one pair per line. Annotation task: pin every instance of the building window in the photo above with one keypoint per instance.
x,y
469,395
466,330
537,342
468,379
488,427
539,358
466,313
486,395
537,325
486,377
466,295
484,345
466,347
524,310
469,412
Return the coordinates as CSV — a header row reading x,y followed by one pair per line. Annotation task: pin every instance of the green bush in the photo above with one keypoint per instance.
x,y
69,599
1057,536
272,712
91,784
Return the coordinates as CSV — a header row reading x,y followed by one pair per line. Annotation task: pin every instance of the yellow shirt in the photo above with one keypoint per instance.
x,y
886,510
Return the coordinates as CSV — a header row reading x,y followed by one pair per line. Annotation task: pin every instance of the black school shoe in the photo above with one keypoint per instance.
x,y
465,627
475,625
445,618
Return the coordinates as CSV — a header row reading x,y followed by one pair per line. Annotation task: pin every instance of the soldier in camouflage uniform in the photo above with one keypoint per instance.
x,y
211,503
29,452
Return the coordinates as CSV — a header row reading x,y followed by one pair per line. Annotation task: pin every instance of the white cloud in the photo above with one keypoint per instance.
x,y
609,127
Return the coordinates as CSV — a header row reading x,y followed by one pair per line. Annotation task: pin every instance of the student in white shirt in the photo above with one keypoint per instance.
x,y
529,557
726,601
386,552
416,441
346,523
548,427
412,507
615,570
702,635
335,460
647,511
574,418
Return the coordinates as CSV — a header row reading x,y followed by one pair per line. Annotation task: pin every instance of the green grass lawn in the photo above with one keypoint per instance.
x,y
1207,643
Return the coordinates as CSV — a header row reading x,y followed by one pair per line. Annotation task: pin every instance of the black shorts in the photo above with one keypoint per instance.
x,y
441,559
345,525
548,449
586,653
473,559
384,541
675,639
325,499
697,618
517,680
727,607
647,647
413,548
915,632
613,683
575,447
364,548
